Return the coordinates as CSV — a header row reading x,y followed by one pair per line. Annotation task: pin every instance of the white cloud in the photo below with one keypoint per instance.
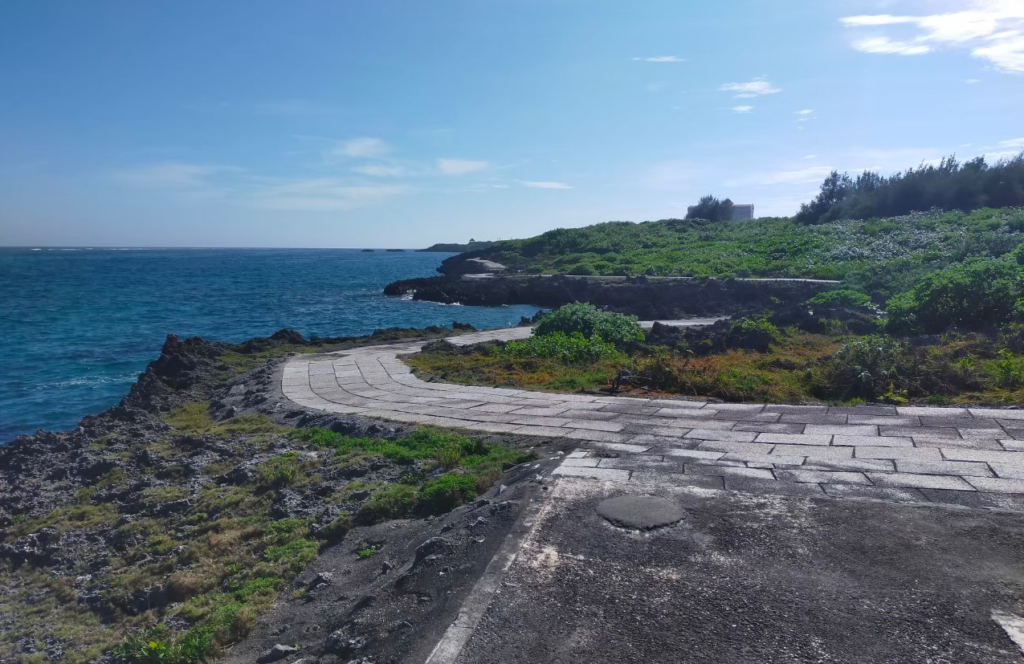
x,y
886,46
879,19
991,30
544,185
364,147
322,195
802,176
972,81
1012,143
460,166
171,175
756,88
743,109
805,115
380,170
811,156
661,58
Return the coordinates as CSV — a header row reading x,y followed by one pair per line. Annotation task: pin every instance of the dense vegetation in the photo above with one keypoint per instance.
x,y
456,247
949,185
976,294
578,333
886,256
836,348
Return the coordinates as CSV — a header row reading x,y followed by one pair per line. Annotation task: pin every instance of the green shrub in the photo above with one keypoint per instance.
x,y
281,470
1008,370
972,295
870,368
154,646
589,321
568,349
395,501
446,493
752,334
336,530
840,298
583,270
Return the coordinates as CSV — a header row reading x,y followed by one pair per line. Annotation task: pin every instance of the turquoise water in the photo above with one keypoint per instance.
x,y
78,326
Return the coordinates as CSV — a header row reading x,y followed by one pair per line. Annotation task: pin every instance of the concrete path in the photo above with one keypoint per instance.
x,y
971,457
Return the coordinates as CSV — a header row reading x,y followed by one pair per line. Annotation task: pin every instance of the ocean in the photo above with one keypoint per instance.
x,y
77,326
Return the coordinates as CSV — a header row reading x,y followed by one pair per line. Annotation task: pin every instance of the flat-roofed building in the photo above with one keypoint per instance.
x,y
740,212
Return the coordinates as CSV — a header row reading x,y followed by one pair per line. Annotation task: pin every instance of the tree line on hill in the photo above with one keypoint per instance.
x,y
948,185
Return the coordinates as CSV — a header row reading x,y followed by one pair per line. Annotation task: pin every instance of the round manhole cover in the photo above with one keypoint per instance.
x,y
640,512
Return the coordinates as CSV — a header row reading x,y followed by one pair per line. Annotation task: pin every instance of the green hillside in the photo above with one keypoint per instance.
x,y
886,255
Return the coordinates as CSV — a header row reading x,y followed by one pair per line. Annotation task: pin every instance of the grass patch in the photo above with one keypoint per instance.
x,y
195,419
368,552
473,466
192,418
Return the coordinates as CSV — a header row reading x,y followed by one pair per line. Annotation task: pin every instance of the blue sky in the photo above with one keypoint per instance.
x,y
321,123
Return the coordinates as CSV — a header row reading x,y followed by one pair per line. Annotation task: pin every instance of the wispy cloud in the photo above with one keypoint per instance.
x,y
1012,143
756,88
365,147
460,166
239,187
991,30
660,58
800,176
886,46
804,116
322,195
543,185
743,109
380,170
171,175
972,81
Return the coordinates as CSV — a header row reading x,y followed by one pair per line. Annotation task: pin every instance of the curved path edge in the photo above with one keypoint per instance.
x,y
973,457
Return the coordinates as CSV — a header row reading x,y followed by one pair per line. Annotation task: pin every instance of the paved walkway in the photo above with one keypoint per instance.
x,y
972,457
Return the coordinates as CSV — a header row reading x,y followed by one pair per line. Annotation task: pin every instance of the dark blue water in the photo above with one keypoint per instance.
x,y
78,326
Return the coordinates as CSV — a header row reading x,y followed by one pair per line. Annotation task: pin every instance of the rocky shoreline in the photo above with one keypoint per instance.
x,y
121,524
648,299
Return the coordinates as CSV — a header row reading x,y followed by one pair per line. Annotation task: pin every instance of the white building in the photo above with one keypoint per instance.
x,y
740,212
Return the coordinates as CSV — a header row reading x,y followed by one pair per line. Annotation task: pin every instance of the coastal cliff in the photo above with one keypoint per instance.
x,y
645,298
174,524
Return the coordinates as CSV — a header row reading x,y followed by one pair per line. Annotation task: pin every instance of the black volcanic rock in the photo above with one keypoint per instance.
x,y
644,298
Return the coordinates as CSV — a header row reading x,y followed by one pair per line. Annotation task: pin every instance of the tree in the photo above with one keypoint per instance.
x,y
712,209
948,185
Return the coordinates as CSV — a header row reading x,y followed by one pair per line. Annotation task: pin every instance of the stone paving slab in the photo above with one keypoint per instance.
x,y
972,457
